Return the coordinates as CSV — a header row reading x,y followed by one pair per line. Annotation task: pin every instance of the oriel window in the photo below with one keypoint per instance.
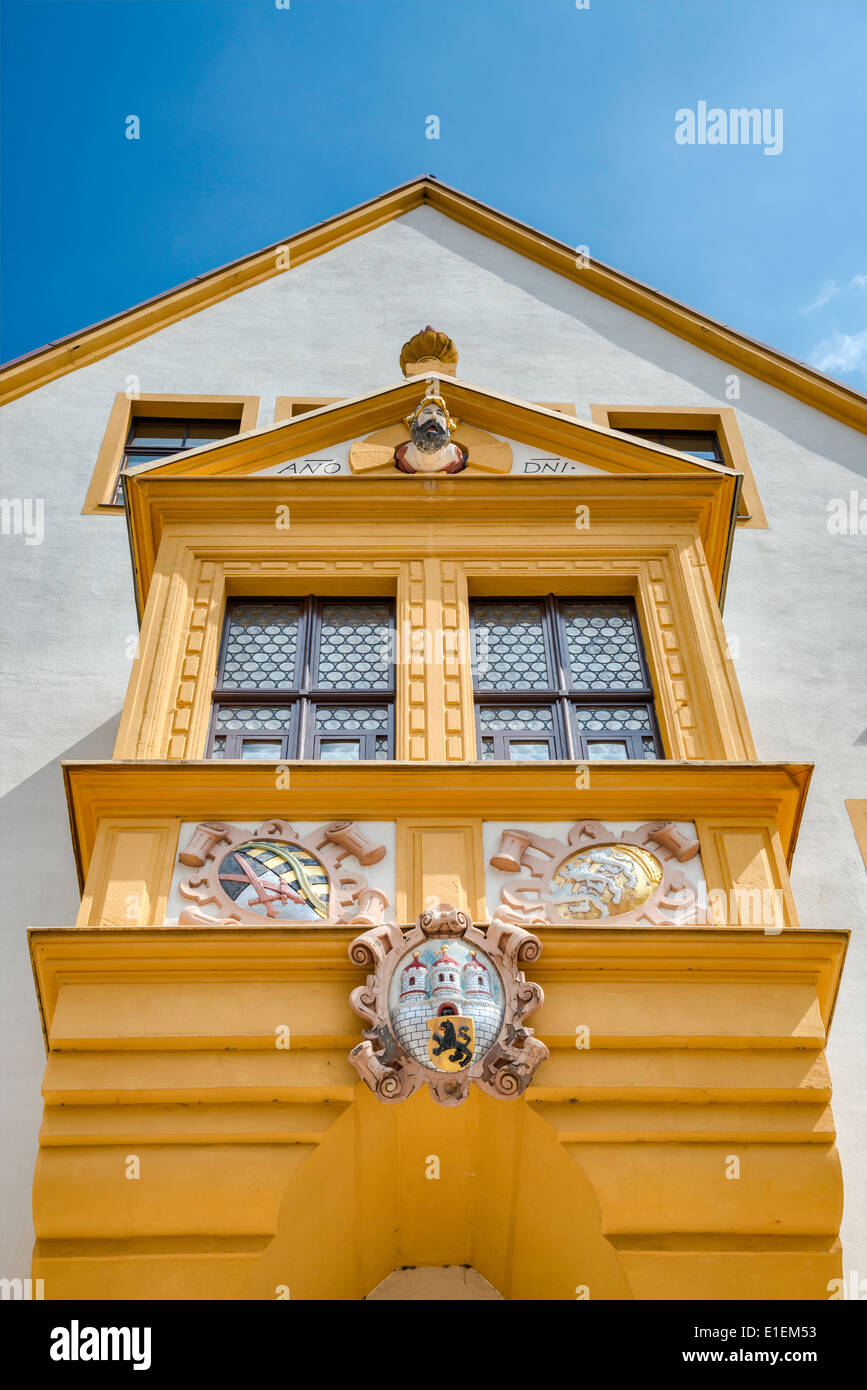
x,y
561,678
305,678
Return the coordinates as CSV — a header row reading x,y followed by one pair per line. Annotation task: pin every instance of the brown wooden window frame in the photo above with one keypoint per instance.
x,y
565,741
301,740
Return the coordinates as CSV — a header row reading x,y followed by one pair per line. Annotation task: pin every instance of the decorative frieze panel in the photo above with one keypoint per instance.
x,y
591,874
278,873
494,453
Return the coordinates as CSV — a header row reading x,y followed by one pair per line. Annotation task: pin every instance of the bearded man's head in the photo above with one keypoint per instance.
x,y
429,427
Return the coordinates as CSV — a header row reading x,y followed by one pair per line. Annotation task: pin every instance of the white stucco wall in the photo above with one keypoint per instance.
x,y
333,327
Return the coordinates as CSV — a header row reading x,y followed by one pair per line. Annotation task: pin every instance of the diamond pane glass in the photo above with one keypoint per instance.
x,y
381,743
354,648
487,750
610,719
510,647
649,746
335,719
252,718
603,652
262,645
513,719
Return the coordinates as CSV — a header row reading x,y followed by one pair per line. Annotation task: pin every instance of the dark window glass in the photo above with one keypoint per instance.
x,y
305,678
571,677
702,444
156,434
209,431
157,437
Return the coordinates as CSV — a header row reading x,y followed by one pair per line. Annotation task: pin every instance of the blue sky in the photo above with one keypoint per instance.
x,y
259,119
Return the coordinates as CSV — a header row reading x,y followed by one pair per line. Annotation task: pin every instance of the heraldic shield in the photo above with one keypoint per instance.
x,y
452,1042
445,1005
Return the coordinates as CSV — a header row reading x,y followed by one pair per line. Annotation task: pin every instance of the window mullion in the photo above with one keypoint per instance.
x,y
305,728
556,642
566,721
306,645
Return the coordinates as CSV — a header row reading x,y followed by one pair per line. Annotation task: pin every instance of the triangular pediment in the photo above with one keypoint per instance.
x,y
499,434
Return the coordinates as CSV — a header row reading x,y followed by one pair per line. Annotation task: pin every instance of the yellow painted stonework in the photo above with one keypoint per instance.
x,y
678,1143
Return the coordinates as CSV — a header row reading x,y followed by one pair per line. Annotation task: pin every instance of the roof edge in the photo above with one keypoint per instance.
x,y
805,383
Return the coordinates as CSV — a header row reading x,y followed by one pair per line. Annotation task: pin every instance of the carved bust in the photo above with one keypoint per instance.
x,y
430,448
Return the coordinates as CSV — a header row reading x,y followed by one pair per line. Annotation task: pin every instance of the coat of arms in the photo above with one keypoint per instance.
x,y
275,875
596,877
445,1005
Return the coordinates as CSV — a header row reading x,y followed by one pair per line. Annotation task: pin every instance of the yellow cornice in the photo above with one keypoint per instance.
x,y
495,791
104,955
832,397
219,512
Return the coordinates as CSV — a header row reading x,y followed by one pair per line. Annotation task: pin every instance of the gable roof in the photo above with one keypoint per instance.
x,y
634,474
45,364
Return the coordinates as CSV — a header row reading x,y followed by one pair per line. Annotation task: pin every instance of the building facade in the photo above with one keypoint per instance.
x,y
322,624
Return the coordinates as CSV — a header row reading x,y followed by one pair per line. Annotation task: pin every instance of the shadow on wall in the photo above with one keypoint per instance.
x,y
40,890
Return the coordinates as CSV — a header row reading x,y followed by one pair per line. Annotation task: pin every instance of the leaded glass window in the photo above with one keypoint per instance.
x,y
602,643
296,677
262,645
574,676
352,652
517,656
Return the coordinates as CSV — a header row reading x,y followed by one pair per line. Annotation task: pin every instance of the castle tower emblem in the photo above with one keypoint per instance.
x,y
445,1005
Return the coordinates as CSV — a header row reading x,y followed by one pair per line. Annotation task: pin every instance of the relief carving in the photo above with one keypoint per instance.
x,y
445,1004
598,876
275,875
